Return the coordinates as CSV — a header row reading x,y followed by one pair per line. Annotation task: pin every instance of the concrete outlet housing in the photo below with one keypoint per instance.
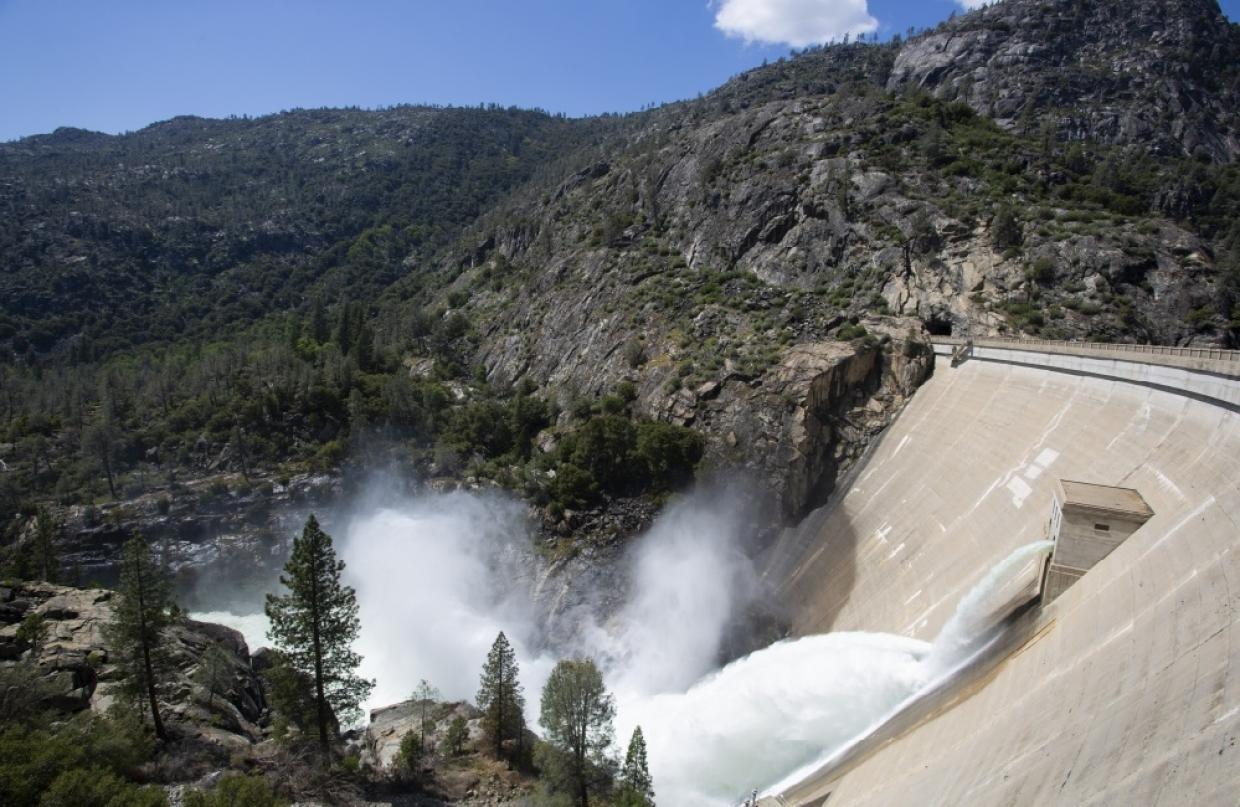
x,y
1088,522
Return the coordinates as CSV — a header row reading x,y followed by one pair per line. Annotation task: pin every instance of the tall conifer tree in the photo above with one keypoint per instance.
x,y
636,786
45,546
314,626
137,632
500,697
577,713
320,331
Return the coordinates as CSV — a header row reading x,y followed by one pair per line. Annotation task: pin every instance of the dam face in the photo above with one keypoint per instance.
x,y
1130,692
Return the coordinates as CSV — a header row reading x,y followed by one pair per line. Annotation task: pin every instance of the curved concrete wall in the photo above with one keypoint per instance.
x,y
1211,380
1130,697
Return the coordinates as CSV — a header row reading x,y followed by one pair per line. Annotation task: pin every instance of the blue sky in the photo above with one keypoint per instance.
x,y
117,65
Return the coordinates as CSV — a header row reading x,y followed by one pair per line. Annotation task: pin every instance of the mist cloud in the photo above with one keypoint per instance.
x,y
688,580
437,577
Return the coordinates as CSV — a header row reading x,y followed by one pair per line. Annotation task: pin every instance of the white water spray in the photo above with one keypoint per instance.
x,y
253,627
436,578
688,579
780,713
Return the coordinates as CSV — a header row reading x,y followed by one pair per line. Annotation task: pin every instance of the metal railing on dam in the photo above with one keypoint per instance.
x,y
1211,375
1209,359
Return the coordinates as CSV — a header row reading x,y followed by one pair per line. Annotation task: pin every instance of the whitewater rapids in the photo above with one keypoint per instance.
x,y
779,713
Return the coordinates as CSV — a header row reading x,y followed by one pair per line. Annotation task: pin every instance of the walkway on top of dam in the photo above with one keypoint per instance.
x,y
1208,359
1208,374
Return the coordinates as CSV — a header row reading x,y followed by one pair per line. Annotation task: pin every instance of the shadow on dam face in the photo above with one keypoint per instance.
x,y
1134,696
795,563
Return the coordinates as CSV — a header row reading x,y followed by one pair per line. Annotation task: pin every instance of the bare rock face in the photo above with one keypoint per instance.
x,y
74,656
1114,71
389,725
195,524
807,420
79,669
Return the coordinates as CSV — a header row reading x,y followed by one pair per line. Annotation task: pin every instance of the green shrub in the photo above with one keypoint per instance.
x,y
480,428
93,787
613,405
572,487
612,454
1042,271
634,353
668,453
1201,318
527,416
604,448
32,760
236,790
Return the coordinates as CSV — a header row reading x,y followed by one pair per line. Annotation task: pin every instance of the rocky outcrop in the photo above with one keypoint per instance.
x,y
967,286
77,668
389,725
1154,72
73,658
795,428
224,523
470,779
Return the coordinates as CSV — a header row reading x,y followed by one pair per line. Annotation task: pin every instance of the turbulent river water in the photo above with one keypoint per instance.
x,y
437,577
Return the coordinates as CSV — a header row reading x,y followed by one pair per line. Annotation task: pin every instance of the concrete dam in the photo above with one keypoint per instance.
x,y
1125,690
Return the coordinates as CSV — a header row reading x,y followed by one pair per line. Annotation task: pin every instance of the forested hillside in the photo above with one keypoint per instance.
x,y
193,227
582,310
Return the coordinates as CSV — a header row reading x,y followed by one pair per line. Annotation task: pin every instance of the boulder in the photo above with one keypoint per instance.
x,y
389,725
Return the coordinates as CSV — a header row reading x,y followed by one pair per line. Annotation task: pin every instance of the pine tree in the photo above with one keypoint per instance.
x,y
319,329
1005,230
99,441
215,672
364,348
237,440
454,739
345,328
45,546
137,632
576,713
424,697
499,696
314,627
636,787
294,330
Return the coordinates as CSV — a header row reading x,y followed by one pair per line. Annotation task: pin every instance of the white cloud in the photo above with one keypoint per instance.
x,y
973,4
794,22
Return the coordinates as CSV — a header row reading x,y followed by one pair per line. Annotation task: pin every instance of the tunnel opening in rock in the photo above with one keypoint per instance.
x,y
938,326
